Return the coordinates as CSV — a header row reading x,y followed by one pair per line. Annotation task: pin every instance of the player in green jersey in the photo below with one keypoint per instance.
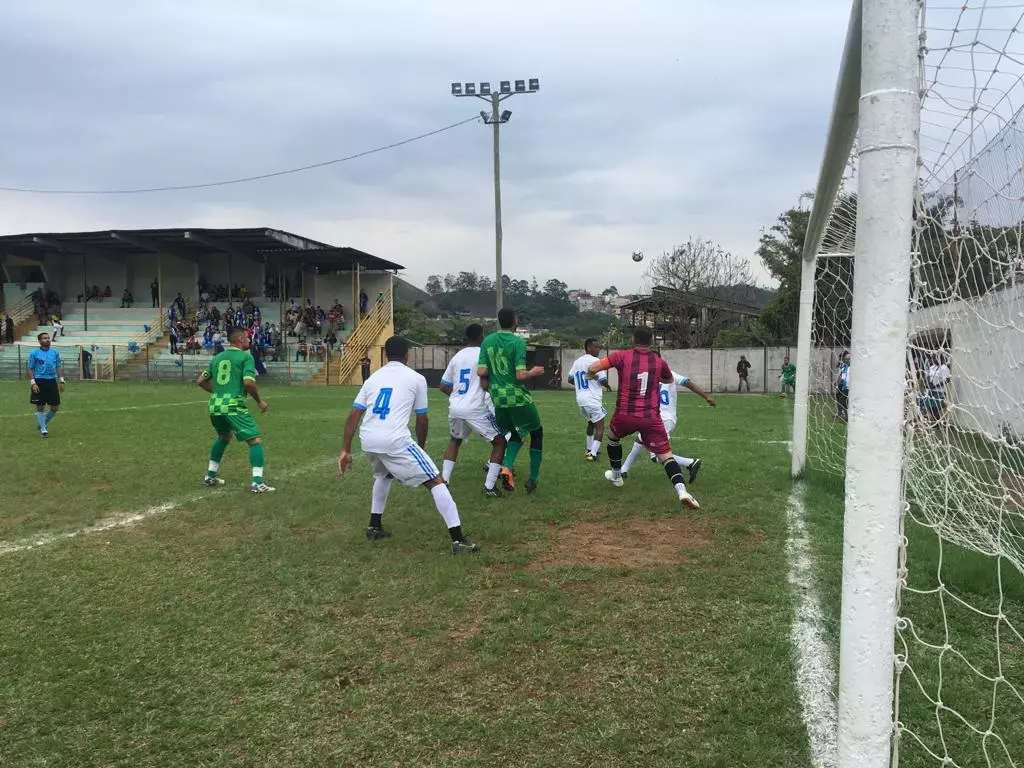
x,y
502,370
229,377
788,377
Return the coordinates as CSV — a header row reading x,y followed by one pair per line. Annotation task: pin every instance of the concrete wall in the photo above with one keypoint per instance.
x,y
66,272
330,287
986,359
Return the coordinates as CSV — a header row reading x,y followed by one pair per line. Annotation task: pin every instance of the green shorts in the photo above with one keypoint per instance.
x,y
241,425
523,419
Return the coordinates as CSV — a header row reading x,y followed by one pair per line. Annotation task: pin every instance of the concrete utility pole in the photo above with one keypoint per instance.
x,y
496,118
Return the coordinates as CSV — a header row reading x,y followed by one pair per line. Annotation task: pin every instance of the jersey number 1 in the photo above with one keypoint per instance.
x,y
223,372
382,405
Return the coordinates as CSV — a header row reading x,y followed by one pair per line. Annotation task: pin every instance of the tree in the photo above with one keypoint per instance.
x,y
610,291
434,286
689,284
780,250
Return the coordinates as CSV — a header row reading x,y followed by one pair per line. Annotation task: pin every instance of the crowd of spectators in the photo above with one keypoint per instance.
x,y
47,306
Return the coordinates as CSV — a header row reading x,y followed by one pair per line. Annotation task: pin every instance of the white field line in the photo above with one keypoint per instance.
x,y
815,668
29,414
128,519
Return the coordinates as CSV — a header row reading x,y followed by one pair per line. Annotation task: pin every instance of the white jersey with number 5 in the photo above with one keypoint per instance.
x,y
389,398
588,391
468,398
668,397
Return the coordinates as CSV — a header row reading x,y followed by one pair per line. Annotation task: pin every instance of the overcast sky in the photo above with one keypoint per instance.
x,y
654,123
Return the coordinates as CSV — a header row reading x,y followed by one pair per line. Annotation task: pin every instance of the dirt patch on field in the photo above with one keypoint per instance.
x,y
623,544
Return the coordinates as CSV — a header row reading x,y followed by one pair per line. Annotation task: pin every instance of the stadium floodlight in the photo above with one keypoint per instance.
x,y
506,89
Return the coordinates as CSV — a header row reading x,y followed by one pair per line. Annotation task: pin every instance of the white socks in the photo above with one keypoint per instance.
x,y
446,470
213,467
595,447
446,505
379,498
492,475
634,454
590,442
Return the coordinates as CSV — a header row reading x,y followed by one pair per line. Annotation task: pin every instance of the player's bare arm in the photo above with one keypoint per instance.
x,y
445,388
696,389
482,372
351,425
422,422
254,393
204,382
60,376
524,374
596,367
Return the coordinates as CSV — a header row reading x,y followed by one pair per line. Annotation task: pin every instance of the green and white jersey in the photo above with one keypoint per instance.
x,y
502,354
228,372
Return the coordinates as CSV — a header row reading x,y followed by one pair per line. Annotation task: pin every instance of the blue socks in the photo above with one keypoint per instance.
x,y
49,416
41,420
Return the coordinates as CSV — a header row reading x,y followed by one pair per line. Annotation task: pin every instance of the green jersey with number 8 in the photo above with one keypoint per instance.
x,y
228,372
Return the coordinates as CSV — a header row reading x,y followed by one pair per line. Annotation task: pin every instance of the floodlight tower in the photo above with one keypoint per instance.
x,y
506,90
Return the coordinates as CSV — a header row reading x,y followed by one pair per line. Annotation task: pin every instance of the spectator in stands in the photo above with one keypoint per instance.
x,y
365,364
58,326
154,292
174,338
126,299
364,301
107,293
87,362
179,305
8,329
743,371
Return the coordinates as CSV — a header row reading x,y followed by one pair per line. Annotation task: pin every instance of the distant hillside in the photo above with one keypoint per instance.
x,y
407,293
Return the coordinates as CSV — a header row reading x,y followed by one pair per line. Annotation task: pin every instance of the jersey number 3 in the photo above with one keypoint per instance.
x,y
382,405
223,372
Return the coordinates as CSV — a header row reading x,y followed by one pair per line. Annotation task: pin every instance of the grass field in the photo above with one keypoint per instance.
x,y
598,627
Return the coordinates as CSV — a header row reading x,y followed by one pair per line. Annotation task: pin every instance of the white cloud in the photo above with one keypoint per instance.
x,y
668,121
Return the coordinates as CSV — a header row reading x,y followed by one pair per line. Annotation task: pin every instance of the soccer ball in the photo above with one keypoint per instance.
x,y
638,256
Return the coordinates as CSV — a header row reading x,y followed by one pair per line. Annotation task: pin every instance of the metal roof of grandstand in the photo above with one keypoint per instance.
x,y
273,246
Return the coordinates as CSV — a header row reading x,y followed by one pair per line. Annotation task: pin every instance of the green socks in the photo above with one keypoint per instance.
x,y
256,460
216,454
535,459
511,451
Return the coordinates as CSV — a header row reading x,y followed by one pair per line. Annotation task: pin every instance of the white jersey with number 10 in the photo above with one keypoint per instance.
x,y
389,398
669,394
588,391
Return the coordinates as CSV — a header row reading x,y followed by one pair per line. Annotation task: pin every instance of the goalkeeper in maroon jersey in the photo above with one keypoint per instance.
x,y
641,373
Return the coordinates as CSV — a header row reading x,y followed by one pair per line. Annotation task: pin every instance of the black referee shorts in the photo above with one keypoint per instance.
x,y
49,393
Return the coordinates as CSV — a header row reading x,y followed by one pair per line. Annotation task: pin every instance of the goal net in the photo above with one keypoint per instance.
x,y
958,687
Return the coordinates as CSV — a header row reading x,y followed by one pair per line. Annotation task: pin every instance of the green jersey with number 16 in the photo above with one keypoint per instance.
x,y
502,354
228,372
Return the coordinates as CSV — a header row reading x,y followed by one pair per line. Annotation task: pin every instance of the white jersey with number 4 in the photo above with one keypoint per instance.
x,y
669,393
389,398
588,391
468,398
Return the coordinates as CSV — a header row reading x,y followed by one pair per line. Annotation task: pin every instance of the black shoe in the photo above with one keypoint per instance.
x,y
694,469
464,547
492,493
530,486
377,533
624,475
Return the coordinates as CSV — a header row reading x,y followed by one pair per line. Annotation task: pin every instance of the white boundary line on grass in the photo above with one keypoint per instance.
x,y
31,414
815,668
129,519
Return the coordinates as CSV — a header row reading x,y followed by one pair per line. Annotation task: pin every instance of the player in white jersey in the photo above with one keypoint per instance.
x,y
669,393
384,404
470,410
589,393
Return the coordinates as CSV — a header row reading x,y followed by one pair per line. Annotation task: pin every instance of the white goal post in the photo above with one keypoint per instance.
x,y
877,99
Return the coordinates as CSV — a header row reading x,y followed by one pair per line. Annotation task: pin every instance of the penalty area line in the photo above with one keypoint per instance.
x,y
128,519
815,668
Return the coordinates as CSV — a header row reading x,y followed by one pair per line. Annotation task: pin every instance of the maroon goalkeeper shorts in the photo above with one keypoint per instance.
x,y
652,431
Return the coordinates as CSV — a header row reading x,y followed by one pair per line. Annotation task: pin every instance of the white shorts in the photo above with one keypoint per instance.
x,y
409,465
482,423
592,412
670,425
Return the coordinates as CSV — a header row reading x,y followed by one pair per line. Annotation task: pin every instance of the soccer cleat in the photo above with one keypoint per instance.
x,y
464,547
262,488
624,475
613,478
687,500
212,482
373,533
508,481
43,433
694,469
531,486
654,458
591,457
492,493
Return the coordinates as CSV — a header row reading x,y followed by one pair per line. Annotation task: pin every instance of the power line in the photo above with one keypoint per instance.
x,y
244,180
